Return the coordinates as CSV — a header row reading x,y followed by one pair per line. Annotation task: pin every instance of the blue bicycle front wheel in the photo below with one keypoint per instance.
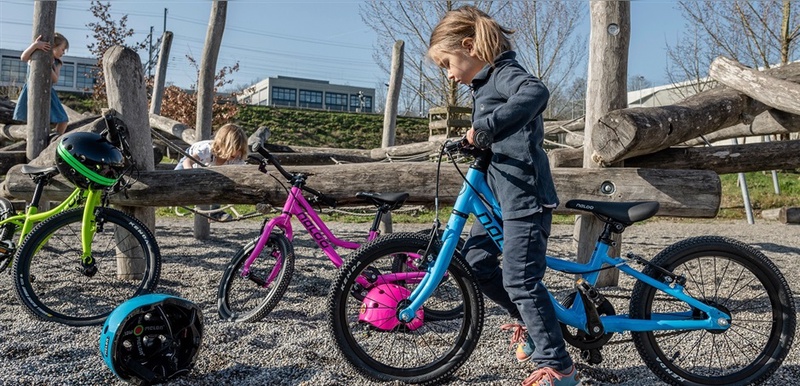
x,y
364,301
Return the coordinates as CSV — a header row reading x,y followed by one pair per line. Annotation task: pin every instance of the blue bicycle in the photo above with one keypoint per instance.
x,y
707,310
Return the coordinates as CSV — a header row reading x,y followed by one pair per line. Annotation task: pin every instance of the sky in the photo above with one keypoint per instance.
x,y
324,40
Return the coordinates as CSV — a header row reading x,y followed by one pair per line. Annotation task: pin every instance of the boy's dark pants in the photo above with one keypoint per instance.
x,y
518,286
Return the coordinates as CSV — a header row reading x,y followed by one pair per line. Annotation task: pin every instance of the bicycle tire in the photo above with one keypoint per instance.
x,y
434,349
257,301
747,285
6,233
47,274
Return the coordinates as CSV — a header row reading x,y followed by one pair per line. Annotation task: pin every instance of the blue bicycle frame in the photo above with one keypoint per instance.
x,y
469,202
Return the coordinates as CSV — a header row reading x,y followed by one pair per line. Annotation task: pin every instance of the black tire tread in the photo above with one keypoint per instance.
x,y
351,267
62,219
271,301
712,243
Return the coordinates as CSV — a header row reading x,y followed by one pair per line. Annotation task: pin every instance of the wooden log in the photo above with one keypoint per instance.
x,y
770,122
725,159
606,91
125,87
631,132
771,214
720,159
173,128
411,149
773,92
161,74
11,158
682,193
19,132
789,215
566,158
328,150
205,90
40,80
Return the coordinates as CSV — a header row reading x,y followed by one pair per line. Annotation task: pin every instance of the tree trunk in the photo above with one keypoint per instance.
x,y
161,74
40,81
682,193
606,91
127,95
205,90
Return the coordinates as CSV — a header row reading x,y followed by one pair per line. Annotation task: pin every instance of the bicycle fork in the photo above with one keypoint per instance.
x,y
89,226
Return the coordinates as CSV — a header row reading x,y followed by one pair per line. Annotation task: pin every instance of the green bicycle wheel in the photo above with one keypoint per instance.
x,y
55,285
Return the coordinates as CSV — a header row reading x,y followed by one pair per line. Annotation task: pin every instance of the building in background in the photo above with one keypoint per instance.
x,y
76,76
310,94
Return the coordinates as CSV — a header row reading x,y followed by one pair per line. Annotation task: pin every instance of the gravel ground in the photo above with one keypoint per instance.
x,y
291,346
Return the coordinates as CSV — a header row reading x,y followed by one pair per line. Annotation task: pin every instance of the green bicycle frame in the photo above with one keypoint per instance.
x,y
26,221
90,198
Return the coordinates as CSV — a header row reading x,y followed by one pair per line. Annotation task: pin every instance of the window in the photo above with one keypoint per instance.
x,y
336,101
84,80
311,99
14,70
284,96
367,104
361,103
66,75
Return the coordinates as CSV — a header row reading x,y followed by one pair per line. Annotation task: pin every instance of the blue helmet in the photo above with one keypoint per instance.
x,y
152,338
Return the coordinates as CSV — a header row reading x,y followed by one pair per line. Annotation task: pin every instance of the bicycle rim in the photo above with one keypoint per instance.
x,y
737,279
47,267
248,299
426,353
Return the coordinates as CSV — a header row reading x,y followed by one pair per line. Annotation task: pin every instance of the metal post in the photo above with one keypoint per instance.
x,y
775,183
745,193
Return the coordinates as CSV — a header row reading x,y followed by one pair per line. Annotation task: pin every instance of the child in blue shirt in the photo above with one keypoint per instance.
x,y
506,117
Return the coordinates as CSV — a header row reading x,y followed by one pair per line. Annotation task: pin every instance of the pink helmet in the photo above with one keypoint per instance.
x,y
379,308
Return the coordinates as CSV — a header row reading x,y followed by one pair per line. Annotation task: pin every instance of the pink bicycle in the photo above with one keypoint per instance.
x,y
260,272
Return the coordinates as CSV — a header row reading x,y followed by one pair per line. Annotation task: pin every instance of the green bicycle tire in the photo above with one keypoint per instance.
x,y
47,267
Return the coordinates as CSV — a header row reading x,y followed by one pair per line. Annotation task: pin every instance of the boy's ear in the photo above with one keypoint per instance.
x,y
468,44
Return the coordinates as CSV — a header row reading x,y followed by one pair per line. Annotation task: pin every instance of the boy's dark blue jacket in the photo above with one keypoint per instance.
x,y
508,103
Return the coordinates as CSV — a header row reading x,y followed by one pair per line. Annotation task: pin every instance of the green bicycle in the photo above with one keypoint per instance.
x,y
72,264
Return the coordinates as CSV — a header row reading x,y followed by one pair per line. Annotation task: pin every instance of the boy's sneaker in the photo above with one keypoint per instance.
x,y
548,376
525,346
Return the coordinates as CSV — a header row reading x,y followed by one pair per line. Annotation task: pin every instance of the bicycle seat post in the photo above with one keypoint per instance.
x,y
41,181
376,223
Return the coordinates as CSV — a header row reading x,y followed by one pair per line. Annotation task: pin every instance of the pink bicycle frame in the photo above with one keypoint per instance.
x,y
297,205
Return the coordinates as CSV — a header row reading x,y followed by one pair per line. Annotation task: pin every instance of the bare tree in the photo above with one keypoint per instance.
x,y
754,33
546,43
549,46
107,33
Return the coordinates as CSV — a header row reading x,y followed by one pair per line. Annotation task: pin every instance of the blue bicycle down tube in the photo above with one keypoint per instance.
x,y
466,203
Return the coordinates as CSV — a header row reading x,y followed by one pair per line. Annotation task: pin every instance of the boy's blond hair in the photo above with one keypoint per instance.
x,y
229,143
489,38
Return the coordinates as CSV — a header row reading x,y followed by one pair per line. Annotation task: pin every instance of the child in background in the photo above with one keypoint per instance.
x,y
506,117
229,147
58,115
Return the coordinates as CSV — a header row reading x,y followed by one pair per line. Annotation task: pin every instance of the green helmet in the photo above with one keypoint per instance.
x,y
89,161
